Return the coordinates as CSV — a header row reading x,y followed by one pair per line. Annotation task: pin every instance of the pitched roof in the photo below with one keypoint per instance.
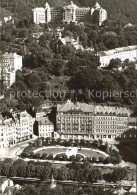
x,y
79,107
44,121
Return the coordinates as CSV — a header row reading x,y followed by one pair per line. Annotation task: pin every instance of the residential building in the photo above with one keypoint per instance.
x,y
9,64
16,129
45,127
7,133
70,13
122,53
24,125
85,121
70,41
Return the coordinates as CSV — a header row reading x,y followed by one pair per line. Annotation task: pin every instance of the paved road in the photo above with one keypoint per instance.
x,y
13,151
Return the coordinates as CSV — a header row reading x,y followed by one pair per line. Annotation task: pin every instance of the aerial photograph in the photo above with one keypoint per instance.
x,y
68,97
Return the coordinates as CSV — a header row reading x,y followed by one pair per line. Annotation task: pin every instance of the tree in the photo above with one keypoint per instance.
x,y
58,67
94,175
119,174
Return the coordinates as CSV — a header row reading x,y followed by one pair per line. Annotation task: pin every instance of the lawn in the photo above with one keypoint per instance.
x,y
57,150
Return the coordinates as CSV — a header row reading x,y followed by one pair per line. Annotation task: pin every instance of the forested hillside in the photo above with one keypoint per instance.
x,y
123,10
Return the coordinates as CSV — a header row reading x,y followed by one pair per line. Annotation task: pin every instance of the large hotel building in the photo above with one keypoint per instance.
x,y
70,13
84,121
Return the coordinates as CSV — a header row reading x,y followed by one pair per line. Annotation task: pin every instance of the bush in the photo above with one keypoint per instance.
x,y
50,157
31,154
101,159
38,156
94,159
79,157
72,158
107,160
119,174
44,155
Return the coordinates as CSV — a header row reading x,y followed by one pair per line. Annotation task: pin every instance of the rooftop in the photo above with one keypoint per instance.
x,y
98,109
44,121
117,50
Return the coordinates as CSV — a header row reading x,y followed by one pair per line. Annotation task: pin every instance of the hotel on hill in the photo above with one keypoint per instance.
x,y
70,13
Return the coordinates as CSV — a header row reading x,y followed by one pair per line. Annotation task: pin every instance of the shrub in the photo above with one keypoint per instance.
x,y
101,159
79,157
37,155
72,158
94,159
107,160
50,157
44,155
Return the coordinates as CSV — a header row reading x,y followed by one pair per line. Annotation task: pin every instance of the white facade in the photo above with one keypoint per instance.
x,y
45,127
69,13
7,133
24,125
9,64
122,53
39,15
16,129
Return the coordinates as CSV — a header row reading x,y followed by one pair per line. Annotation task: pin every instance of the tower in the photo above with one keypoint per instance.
x,y
47,13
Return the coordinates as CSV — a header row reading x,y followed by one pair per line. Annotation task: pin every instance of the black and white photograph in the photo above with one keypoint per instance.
x,y
68,97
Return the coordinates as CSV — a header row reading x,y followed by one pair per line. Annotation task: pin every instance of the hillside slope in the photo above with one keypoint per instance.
x,y
123,10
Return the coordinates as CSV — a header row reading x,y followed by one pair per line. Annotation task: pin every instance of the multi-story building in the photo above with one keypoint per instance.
x,y
7,133
45,127
75,121
83,121
132,123
122,53
110,122
9,64
24,125
70,13
16,129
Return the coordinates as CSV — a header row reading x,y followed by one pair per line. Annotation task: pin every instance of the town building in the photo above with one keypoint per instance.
x,y
9,64
24,125
122,53
7,133
70,13
17,128
45,127
85,121
75,121
110,122
132,123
